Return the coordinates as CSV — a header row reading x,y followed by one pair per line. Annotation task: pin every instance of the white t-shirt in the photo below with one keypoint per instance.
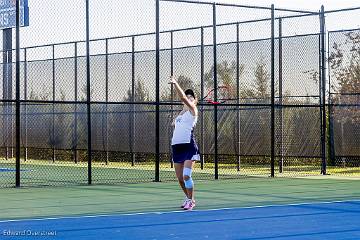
x,y
184,124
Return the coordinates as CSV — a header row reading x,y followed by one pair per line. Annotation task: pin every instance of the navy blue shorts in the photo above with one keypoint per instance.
x,y
185,151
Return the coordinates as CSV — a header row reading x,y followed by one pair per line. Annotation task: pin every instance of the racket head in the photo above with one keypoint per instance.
x,y
223,94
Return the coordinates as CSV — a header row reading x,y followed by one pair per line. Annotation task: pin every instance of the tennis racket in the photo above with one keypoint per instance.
x,y
223,94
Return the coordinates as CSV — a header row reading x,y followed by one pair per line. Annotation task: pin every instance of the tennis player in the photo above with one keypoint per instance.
x,y
184,149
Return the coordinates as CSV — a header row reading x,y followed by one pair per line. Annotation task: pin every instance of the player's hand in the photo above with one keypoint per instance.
x,y
172,80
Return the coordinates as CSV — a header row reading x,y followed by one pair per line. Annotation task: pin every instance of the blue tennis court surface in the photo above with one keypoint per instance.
x,y
332,220
7,170
11,170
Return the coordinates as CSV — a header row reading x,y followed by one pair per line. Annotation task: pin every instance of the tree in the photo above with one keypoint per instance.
x,y
345,66
344,63
59,128
141,93
260,90
262,79
226,76
84,93
44,95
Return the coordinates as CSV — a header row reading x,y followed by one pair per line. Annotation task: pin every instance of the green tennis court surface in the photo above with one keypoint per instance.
x,y
60,173
24,203
248,208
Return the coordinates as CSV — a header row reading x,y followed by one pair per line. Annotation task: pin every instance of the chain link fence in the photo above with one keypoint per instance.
x,y
289,114
344,101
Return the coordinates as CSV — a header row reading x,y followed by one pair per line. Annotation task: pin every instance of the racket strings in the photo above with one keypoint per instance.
x,y
222,95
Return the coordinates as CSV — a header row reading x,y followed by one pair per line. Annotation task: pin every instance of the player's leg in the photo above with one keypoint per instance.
x,y
179,168
189,183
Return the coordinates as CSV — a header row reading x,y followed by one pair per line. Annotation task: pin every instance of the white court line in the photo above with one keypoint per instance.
x,y
177,211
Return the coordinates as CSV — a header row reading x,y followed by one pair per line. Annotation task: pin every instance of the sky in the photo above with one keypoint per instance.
x,y
57,21
300,4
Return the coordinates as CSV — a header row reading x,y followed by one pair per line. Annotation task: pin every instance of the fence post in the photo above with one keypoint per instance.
x,y
272,90
202,153
53,105
157,105
132,117
320,94
17,153
280,134
172,87
238,126
323,81
330,111
7,91
88,92
215,93
25,106
106,100
331,134
75,143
